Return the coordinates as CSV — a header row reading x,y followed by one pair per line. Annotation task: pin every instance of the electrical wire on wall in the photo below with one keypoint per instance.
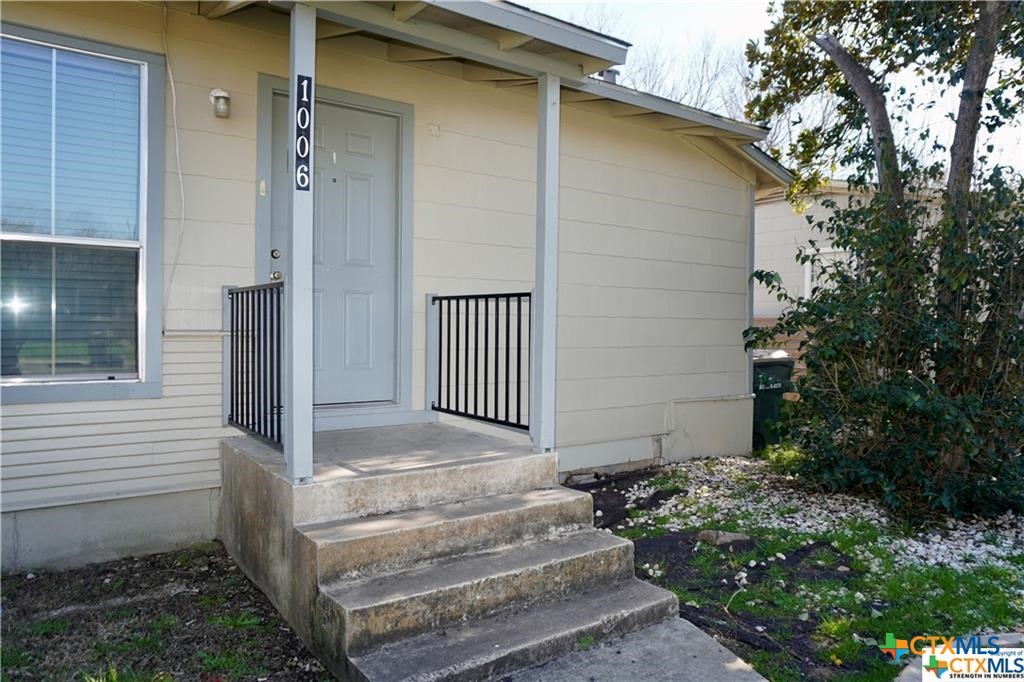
x,y
181,179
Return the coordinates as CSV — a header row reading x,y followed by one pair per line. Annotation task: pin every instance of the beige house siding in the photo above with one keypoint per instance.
x,y
781,231
652,292
654,249
63,453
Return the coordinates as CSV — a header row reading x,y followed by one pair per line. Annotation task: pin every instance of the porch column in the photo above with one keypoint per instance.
x,y
545,296
298,398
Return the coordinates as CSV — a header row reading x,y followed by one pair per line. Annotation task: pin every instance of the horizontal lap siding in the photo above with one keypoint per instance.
x,y
653,288
72,452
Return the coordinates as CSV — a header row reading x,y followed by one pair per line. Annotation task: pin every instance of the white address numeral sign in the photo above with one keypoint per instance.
x,y
303,130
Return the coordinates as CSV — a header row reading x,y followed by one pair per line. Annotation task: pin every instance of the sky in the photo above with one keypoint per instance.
x,y
682,24
677,23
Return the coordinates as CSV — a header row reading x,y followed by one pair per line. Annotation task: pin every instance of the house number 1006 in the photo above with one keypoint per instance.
x,y
303,130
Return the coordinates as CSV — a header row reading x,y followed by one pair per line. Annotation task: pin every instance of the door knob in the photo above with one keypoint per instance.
x,y
275,275
275,253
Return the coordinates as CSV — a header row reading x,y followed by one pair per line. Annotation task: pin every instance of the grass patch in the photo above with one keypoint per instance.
x,y
13,656
116,586
165,623
585,642
642,532
212,601
237,621
151,633
111,674
230,664
674,479
123,613
784,459
47,628
776,666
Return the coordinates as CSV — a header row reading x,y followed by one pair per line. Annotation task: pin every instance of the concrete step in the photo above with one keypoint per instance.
x,y
666,652
390,542
373,611
512,640
379,485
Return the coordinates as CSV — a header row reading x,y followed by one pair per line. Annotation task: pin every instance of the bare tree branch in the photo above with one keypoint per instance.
x,y
887,161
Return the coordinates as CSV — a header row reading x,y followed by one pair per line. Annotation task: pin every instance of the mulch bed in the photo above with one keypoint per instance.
x,y
189,615
610,499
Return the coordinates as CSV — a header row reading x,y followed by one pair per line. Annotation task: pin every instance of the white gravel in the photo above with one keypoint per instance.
x,y
746,490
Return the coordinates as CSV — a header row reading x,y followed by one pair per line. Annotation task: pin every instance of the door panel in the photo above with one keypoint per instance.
x,y
355,248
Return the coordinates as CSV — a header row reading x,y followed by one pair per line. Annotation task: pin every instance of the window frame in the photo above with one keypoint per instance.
x,y
149,383
811,275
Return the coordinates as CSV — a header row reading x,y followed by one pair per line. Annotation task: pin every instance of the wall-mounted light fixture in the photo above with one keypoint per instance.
x,y
221,101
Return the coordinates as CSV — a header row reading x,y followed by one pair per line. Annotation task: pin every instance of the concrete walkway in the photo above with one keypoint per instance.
x,y
675,650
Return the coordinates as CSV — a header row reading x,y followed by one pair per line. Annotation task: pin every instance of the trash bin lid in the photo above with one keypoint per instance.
x,y
770,353
769,356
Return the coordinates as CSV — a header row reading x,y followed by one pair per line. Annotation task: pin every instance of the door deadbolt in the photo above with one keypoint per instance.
x,y
275,253
275,275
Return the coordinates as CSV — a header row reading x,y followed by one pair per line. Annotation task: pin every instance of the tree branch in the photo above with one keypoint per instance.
x,y
872,99
968,120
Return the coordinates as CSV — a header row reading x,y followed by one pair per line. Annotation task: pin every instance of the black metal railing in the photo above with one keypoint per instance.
x,y
483,357
255,315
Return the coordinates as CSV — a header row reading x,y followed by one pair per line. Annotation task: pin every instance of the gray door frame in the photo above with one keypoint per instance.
x,y
328,417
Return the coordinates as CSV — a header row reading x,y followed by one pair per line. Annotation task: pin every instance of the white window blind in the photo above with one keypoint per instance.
x,y
71,275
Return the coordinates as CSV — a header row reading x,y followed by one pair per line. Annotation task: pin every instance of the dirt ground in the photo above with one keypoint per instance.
x,y
610,501
188,615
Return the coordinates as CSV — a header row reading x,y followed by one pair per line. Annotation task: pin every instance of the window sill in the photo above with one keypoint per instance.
x,y
73,391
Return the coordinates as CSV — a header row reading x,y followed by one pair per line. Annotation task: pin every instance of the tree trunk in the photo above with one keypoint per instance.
x,y
962,152
957,213
968,120
872,98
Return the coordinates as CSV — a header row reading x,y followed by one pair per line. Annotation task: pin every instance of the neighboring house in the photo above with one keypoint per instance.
x,y
130,201
781,230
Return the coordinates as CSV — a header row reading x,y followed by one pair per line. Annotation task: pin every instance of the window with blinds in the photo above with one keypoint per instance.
x,y
71,220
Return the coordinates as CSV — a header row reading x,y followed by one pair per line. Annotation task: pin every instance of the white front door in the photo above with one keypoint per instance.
x,y
355,248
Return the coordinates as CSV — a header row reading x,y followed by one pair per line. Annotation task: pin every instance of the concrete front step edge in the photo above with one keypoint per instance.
x,y
391,542
380,610
511,641
423,487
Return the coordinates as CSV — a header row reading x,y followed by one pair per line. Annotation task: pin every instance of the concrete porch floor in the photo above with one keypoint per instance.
x,y
392,449
352,454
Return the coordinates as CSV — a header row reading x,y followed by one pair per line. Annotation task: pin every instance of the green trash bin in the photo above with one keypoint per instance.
x,y
772,373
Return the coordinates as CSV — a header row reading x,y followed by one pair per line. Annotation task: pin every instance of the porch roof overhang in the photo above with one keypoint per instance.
x,y
508,46
498,34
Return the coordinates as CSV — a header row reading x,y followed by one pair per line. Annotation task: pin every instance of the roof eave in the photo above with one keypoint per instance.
x,y
540,26
744,131
766,163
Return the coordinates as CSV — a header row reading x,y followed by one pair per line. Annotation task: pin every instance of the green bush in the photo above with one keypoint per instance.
x,y
911,393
